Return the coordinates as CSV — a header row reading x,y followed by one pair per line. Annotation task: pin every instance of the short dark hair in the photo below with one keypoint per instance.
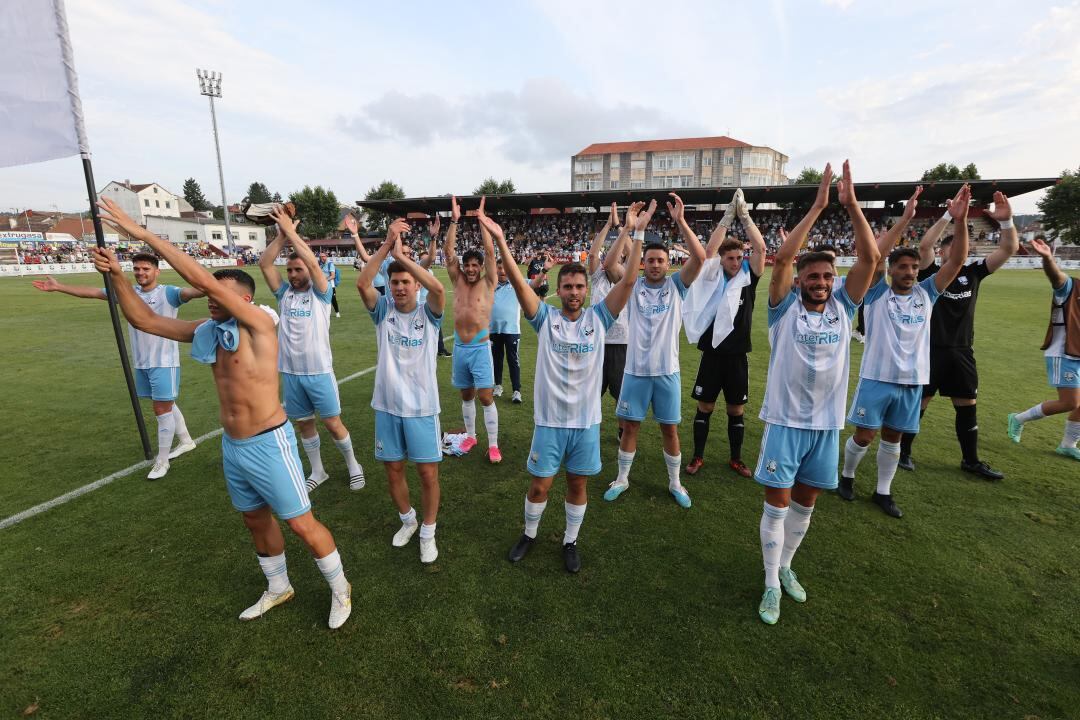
x,y
472,255
397,267
238,276
147,258
655,246
571,269
947,240
826,248
899,253
730,244
293,256
814,257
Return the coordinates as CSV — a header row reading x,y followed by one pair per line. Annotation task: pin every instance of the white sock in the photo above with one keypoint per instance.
x,y
468,411
673,463
533,513
772,542
795,524
427,532
1072,434
182,433
491,422
344,445
331,569
1035,413
575,515
166,427
276,572
626,459
888,457
314,455
853,455
408,518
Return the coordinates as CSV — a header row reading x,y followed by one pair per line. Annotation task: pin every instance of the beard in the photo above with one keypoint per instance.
x,y
807,298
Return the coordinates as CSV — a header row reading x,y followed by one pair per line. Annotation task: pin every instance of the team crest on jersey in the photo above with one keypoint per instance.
x,y
698,390
556,326
589,331
770,466
962,280
1069,376
305,299
830,317
919,304
391,320
861,412
418,325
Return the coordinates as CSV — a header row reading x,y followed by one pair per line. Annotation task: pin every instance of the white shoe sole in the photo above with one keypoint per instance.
x,y
260,610
314,482
181,449
155,475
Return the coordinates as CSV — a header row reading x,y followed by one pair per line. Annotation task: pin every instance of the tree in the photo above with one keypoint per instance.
x,y
948,171
1060,208
809,176
319,210
491,186
258,193
386,190
193,194
276,198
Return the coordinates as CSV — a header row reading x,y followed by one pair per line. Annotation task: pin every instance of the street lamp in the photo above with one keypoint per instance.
x,y
210,86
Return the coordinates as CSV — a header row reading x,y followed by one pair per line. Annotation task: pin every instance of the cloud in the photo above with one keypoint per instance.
x,y
535,125
840,4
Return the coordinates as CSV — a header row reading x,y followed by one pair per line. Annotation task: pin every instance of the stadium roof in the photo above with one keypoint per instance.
x,y
933,193
711,143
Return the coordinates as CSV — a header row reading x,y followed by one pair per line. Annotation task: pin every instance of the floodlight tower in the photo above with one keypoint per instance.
x,y
210,86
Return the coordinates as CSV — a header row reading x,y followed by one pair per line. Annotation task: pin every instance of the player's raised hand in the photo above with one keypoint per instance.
x,y
351,225
49,284
958,206
105,261
821,200
455,211
434,227
783,236
912,203
1039,247
286,225
115,216
677,210
490,225
846,187
1002,210
632,211
549,262
643,219
613,217
397,228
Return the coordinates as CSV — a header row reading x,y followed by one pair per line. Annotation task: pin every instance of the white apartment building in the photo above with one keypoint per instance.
x,y
138,201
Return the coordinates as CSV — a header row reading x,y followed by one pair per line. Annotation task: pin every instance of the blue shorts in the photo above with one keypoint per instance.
x,y
576,448
157,383
417,438
473,366
1063,372
306,395
790,455
883,404
266,470
663,392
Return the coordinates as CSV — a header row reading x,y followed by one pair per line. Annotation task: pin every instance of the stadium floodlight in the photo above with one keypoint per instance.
x,y
210,86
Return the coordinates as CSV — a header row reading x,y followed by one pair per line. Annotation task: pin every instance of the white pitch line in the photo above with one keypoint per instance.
x,y
79,492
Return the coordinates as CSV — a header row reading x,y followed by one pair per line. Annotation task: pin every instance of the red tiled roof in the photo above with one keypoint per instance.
x,y
709,143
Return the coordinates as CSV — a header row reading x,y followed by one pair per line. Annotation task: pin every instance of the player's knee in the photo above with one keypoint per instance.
x,y
669,431
334,425
705,407
304,525
468,394
736,410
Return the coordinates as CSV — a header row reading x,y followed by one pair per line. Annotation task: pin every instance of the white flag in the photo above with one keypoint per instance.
x,y
40,111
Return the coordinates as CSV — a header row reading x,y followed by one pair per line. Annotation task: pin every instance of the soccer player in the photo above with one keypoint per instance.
x,y
537,272
806,387
566,407
406,396
952,334
333,278
652,375
262,467
731,284
605,274
506,331
156,359
896,361
304,357
474,276
1062,351
380,277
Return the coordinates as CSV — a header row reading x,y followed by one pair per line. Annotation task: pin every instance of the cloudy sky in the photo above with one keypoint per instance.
x,y
436,96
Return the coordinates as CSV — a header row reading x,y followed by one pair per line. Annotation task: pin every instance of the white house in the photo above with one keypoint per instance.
x,y
139,201
208,230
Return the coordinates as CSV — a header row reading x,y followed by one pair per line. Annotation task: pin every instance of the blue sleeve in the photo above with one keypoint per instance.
x,y
324,296
173,296
379,313
850,306
437,319
930,286
775,313
677,279
282,288
876,290
604,314
1061,294
537,320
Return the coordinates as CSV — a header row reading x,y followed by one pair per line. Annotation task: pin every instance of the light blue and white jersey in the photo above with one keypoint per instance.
x,y
304,330
421,294
1056,348
382,279
898,333
569,365
809,363
329,269
150,351
505,311
654,318
601,286
405,383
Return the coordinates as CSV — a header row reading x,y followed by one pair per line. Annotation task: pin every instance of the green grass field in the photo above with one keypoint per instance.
x,y
123,603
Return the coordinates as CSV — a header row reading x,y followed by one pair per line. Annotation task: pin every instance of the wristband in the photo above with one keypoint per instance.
x,y
639,235
947,217
1007,224
453,222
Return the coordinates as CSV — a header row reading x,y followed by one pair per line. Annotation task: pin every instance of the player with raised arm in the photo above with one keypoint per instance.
x,y
156,360
896,361
406,395
604,274
474,277
304,357
806,387
952,335
333,278
652,357
506,331
1062,351
566,403
262,467
361,252
726,291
